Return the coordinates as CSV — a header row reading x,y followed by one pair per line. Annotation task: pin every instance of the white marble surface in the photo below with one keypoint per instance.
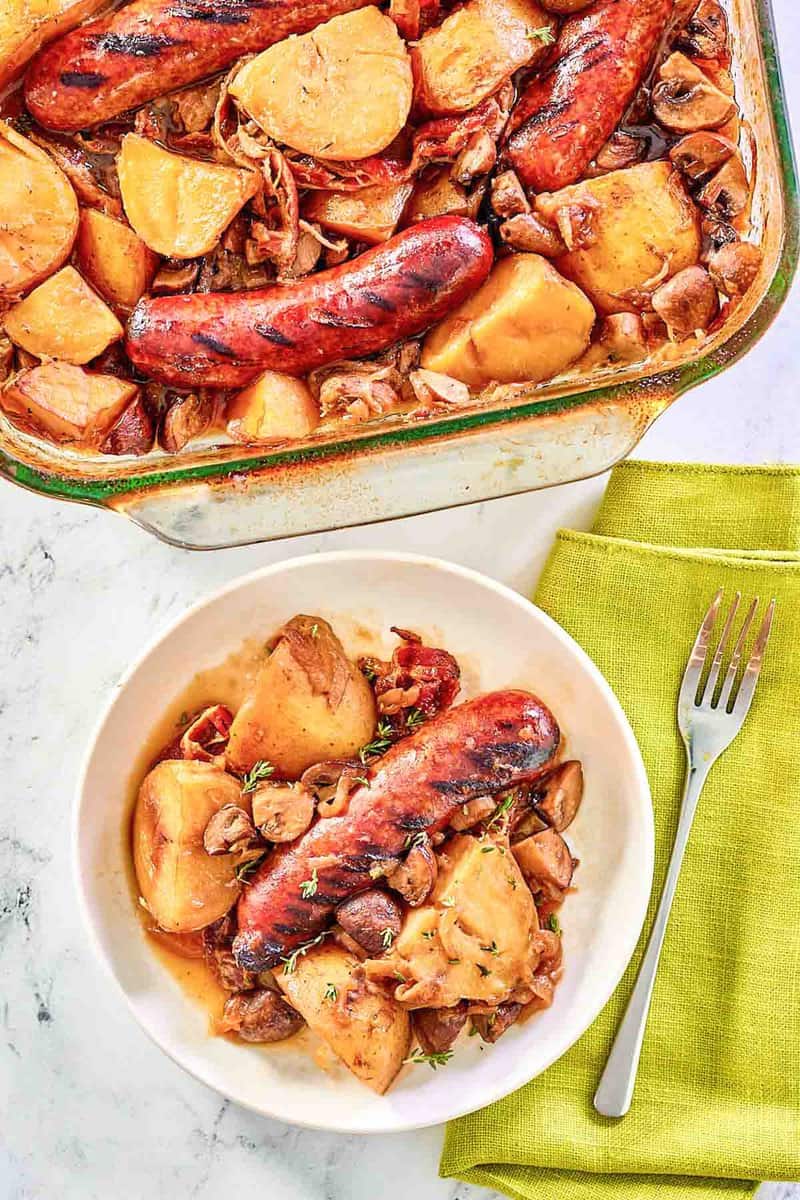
x,y
88,1107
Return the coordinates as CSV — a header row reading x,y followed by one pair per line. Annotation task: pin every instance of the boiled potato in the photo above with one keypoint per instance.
x,y
369,215
342,91
472,939
526,323
274,407
26,25
309,703
642,228
435,195
179,206
63,318
183,887
38,214
474,50
368,1030
114,259
68,403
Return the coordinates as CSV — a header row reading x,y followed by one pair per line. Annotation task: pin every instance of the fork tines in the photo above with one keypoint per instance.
x,y
727,700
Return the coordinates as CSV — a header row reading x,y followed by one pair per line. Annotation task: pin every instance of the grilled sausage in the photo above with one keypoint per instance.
x,y
391,292
569,111
484,745
151,47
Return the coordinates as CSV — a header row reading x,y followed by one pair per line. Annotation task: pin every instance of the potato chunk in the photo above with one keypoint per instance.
x,y
38,214
435,195
63,318
474,939
474,50
368,1030
309,703
273,408
369,215
114,259
342,91
641,227
26,25
526,323
68,403
179,206
183,887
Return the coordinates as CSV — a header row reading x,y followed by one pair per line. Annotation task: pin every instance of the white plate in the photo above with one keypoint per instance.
x,y
501,641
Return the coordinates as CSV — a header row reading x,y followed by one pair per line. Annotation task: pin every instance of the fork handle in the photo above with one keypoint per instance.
x,y
615,1090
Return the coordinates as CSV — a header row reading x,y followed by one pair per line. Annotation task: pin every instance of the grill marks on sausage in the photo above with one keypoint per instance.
x,y
324,316
273,335
223,12
212,343
430,281
82,79
379,301
135,45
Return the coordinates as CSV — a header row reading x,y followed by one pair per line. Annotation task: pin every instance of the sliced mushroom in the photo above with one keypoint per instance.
x,y
734,267
134,432
705,34
260,1016
282,813
727,193
508,195
229,830
529,823
438,1028
186,418
175,277
700,154
545,861
529,233
430,387
414,878
621,150
685,99
206,737
477,158
218,953
373,919
473,812
687,303
493,1025
562,792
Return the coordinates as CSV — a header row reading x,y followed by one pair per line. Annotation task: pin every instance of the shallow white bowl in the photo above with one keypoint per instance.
x,y
501,641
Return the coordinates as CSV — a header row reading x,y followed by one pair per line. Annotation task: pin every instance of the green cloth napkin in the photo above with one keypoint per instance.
x,y
717,1104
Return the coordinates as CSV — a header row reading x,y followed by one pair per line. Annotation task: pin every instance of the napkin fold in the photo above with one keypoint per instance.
x,y
717,1103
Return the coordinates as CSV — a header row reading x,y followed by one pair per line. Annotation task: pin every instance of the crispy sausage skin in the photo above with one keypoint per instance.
x,y
480,747
569,111
392,292
151,47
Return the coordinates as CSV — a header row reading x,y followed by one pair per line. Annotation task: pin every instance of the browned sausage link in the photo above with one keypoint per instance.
x,y
151,47
484,745
569,111
391,292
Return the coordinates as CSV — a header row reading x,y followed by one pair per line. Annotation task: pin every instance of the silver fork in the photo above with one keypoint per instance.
x,y
708,724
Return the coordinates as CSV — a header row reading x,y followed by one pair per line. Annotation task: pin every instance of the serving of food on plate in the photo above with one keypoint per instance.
x,y
254,224
355,851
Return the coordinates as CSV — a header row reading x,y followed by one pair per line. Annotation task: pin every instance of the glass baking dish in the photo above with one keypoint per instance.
x,y
518,439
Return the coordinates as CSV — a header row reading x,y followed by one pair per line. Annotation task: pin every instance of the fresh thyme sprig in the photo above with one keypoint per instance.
x,y
544,34
379,744
387,937
438,1058
245,869
331,992
308,887
414,718
258,772
553,923
501,810
290,960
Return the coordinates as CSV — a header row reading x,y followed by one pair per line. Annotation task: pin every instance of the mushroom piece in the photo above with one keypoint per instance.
x,y
716,234
508,195
186,418
562,793
260,1015
685,99
705,34
700,154
477,158
206,737
282,813
429,387
620,151
576,223
687,303
414,878
546,862
373,919
229,831
529,233
493,1025
727,193
133,433
218,953
733,267
174,277
438,1028
620,339
473,812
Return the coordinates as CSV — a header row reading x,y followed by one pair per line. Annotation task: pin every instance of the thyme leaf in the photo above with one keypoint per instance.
x,y
259,771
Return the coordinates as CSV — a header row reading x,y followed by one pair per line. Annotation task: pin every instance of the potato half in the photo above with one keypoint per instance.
x,y
342,91
474,50
26,25
368,1030
114,259
273,408
183,887
179,206
68,403
38,214
526,323
63,318
642,228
